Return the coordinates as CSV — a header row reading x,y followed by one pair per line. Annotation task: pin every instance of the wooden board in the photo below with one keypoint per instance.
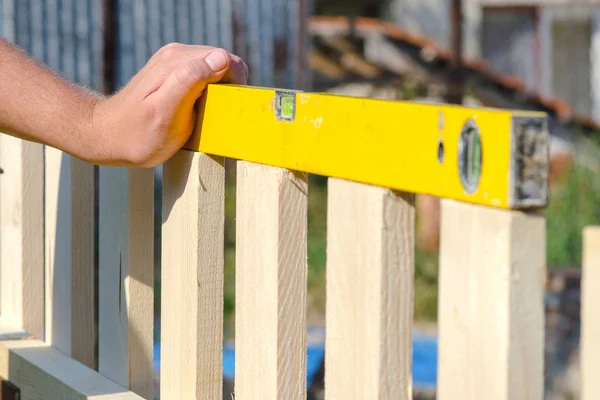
x,y
590,321
22,235
192,277
491,304
58,223
69,255
270,286
370,268
42,372
126,287
83,278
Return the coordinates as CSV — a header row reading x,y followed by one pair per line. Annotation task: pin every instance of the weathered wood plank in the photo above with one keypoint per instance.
x,y
590,323
491,311
192,277
22,235
271,273
370,269
42,372
126,287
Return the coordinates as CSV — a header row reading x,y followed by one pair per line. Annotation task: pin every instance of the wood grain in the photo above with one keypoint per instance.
x,y
22,235
192,277
590,323
271,273
42,372
370,269
491,311
126,287
69,255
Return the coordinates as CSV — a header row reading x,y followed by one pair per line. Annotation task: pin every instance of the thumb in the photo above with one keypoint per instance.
x,y
189,79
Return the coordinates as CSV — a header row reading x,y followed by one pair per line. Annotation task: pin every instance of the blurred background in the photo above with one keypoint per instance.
x,y
526,54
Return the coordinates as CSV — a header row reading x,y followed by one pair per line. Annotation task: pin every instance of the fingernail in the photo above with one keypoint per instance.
x,y
216,61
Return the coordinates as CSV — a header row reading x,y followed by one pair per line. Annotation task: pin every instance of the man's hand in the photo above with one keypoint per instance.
x,y
154,115
143,125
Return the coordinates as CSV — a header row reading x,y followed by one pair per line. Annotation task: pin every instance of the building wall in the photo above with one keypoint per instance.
x,y
571,62
508,42
552,45
67,34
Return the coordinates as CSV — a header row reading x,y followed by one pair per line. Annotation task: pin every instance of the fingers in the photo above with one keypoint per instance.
x,y
185,84
172,55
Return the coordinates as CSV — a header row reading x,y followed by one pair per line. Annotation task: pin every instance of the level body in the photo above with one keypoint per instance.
x,y
405,146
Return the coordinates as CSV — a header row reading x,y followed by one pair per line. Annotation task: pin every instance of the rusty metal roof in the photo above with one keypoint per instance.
x,y
338,56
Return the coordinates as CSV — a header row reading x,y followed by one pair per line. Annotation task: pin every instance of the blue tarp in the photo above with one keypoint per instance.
x,y
424,361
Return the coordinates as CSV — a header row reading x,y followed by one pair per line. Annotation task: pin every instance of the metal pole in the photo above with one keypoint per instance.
x,y
455,87
109,50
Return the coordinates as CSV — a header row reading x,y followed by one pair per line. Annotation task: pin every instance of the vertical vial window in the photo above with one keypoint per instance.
x,y
470,157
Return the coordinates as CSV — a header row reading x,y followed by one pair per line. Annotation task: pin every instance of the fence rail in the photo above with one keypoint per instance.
x,y
492,256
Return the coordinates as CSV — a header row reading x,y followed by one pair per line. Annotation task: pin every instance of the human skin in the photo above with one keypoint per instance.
x,y
142,125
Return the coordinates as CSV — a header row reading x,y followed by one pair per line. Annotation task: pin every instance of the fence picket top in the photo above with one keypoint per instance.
x,y
496,158
370,269
271,248
491,311
192,277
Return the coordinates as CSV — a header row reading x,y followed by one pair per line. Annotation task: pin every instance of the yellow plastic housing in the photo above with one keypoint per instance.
x,y
406,146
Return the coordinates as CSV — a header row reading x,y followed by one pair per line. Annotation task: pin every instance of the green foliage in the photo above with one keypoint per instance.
x,y
426,285
574,204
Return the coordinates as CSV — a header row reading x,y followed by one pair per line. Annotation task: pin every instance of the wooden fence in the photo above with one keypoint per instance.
x,y
490,300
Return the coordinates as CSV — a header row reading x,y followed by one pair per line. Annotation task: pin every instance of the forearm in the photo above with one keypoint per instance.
x,y
142,125
37,105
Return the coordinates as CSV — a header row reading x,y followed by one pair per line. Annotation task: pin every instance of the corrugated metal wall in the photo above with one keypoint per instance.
x,y
67,34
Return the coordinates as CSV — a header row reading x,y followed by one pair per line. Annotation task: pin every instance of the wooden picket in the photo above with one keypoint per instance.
x,y
126,278
69,256
590,326
271,273
491,291
192,277
21,238
370,268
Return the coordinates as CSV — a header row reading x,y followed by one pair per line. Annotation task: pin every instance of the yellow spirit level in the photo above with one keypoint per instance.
x,y
493,157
